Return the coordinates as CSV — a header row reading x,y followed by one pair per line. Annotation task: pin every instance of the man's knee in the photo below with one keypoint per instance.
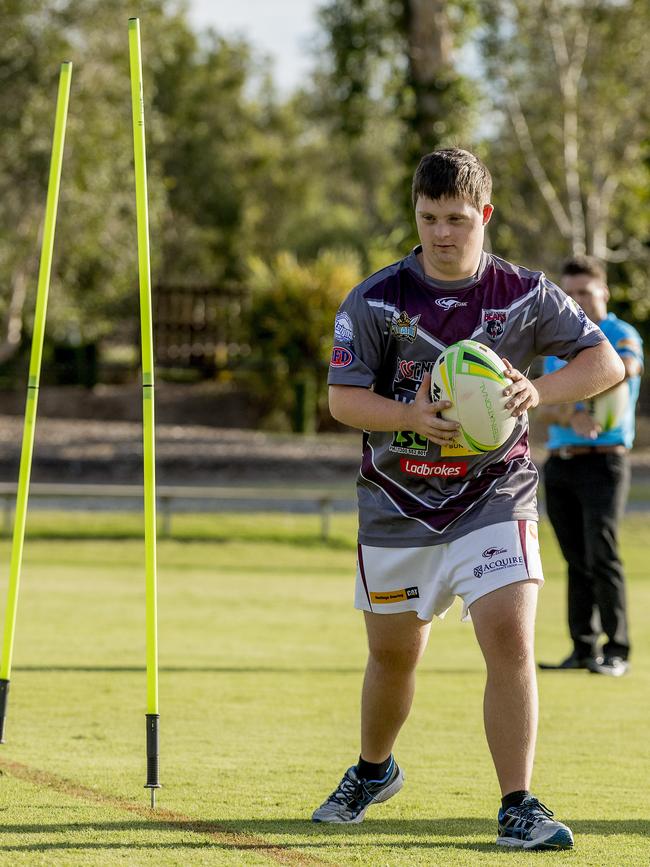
x,y
396,642
506,634
392,658
509,640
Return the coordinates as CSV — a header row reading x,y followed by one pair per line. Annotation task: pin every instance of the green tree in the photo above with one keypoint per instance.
x,y
199,122
397,59
570,157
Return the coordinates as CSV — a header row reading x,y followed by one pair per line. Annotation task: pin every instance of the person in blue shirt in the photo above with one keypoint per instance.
x,y
586,479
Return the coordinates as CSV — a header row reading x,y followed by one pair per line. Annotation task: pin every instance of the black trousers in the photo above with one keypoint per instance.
x,y
585,498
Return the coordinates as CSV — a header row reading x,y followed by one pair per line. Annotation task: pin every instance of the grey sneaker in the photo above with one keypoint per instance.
x,y
350,800
531,826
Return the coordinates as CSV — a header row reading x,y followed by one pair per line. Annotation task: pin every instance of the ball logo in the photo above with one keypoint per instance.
x,y
341,357
429,469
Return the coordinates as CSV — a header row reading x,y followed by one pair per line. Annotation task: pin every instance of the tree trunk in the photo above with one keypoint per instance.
x,y
13,325
430,50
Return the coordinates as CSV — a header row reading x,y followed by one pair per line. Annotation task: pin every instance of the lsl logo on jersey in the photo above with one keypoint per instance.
x,y
404,327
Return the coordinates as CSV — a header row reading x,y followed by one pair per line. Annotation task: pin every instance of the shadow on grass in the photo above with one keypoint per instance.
x,y
312,541
214,669
406,834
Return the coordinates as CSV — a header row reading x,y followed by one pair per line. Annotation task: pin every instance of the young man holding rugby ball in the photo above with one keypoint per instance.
x,y
448,522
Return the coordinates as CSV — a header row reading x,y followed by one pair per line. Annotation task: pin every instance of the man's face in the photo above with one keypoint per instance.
x,y
451,233
589,292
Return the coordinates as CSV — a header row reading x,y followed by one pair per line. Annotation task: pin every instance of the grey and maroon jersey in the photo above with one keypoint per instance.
x,y
388,333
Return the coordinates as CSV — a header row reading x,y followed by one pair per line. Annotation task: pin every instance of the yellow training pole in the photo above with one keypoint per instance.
x,y
45,268
144,270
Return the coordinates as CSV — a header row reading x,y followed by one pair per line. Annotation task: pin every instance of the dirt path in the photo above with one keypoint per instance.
x,y
101,451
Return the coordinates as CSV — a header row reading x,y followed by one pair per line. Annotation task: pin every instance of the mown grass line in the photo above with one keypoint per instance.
x,y
165,818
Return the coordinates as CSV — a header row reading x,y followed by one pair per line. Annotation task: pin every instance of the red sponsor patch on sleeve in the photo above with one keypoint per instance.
x,y
341,357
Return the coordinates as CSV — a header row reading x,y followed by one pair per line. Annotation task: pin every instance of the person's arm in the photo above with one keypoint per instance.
x,y
592,371
363,409
581,422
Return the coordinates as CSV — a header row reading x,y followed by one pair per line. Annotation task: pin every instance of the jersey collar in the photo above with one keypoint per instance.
x,y
413,265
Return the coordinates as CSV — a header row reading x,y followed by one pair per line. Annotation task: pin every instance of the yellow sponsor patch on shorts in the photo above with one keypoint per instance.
x,y
386,597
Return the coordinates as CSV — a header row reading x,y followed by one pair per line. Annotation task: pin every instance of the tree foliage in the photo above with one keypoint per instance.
x,y
397,59
253,191
570,157
289,325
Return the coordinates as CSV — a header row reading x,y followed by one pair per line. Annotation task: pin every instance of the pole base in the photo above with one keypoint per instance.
x,y
4,698
153,781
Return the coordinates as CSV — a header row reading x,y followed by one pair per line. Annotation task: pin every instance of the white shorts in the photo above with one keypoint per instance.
x,y
427,580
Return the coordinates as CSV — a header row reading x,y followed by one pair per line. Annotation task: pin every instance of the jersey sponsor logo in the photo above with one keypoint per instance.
x,y
497,565
489,553
450,303
494,322
387,597
341,357
414,371
343,330
455,449
429,469
404,327
408,442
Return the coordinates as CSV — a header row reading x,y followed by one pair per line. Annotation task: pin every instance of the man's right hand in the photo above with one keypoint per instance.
x,y
583,424
423,416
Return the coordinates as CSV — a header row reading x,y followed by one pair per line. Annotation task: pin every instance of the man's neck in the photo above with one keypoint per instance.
x,y
461,274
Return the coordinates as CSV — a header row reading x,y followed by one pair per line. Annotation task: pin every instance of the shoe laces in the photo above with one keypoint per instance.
x,y
534,811
348,789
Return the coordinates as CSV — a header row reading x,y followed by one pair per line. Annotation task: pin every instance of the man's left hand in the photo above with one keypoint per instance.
x,y
522,393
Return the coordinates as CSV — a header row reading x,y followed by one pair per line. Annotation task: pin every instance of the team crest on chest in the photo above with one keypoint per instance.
x,y
404,327
494,322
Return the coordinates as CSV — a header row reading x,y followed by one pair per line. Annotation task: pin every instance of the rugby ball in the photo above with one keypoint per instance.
x,y
472,377
608,409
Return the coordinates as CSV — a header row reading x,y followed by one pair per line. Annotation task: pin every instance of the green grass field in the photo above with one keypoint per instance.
x,y
261,660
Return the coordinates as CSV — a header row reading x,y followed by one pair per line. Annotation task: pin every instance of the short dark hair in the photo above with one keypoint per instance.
x,y
585,265
452,174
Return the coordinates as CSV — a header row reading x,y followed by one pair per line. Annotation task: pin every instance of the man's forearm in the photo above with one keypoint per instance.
x,y
591,372
363,409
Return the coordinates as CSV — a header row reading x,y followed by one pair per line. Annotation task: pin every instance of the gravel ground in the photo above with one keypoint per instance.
x,y
100,451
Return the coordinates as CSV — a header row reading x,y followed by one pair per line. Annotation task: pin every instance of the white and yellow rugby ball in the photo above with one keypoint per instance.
x,y
608,409
472,377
